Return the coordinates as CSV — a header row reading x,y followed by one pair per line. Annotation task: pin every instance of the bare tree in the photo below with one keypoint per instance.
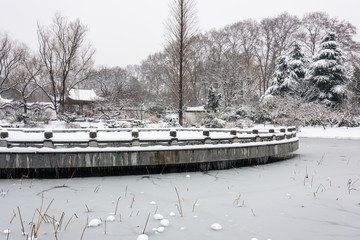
x,y
66,58
11,54
181,27
24,78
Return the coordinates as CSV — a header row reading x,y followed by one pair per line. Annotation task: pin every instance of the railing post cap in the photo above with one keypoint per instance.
x,y
4,134
173,132
48,134
206,132
135,133
93,133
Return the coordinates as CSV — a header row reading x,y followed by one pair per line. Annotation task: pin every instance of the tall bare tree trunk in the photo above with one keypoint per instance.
x,y
181,31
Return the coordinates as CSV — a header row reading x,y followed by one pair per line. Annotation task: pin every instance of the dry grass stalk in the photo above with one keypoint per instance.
x,y
235,170
179,207
61,220
87,208
147,220
105,227
147,170
117,204
156,209
236,201
162,170
323,188
55,227
194,205
312,179
68,222
126,191
120,217
12,217
82,234
252,210
22,224
72,175
133,200
321,160
350,185
97,188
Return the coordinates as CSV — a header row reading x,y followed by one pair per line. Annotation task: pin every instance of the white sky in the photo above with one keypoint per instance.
x,y
126,31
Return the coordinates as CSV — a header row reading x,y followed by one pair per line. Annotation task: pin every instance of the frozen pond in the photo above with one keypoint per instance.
x,y
312,196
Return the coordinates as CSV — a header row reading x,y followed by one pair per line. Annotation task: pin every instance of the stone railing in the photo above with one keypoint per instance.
x,y
102,138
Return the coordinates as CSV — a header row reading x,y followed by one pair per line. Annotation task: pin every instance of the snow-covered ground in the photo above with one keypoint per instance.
x,y
335,132
311,196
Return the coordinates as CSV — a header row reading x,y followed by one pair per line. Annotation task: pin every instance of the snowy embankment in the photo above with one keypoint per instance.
x,y
333,133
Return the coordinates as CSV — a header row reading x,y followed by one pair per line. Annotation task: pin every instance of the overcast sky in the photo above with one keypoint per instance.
x,y
126,31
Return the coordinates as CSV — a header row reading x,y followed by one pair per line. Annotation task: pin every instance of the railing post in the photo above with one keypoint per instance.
x,y
235,138
271,130
257,137
48,134
282,130
289,130
173,135
207,139
93,141
135,137
3,141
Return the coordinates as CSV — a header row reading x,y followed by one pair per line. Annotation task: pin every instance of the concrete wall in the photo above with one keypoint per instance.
x,y
53,164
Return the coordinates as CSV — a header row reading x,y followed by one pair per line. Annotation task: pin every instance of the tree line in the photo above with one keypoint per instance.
x,y
242,62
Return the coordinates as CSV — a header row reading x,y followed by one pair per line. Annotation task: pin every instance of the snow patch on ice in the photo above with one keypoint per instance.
x,y
158,216
165,222
94,222
143,237
216,227
110,219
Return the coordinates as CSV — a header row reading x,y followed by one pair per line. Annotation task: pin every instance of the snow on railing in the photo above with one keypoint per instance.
x,y
67,138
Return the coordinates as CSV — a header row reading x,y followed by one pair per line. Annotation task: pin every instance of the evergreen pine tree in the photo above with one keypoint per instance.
x,y
327,73
289,74
297,62
355,83
213,100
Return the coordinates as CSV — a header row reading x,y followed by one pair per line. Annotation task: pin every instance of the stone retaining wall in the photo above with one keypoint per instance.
x,y
50,163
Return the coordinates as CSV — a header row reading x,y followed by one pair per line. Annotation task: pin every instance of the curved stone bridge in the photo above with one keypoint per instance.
x,y
86,152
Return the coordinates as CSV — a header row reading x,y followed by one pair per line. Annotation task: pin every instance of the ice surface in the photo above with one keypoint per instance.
x,y
314,195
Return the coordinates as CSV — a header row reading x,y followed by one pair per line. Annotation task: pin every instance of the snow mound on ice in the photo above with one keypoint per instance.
x,y
94,222
216,227
165,222
143,237
158,216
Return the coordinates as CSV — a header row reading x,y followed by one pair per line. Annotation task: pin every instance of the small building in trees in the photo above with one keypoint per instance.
x,y
193,114
82,101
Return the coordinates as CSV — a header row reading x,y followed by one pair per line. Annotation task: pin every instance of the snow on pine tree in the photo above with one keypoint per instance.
x,y
283,80
297,64
327,74
213,100
289,74
355,83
